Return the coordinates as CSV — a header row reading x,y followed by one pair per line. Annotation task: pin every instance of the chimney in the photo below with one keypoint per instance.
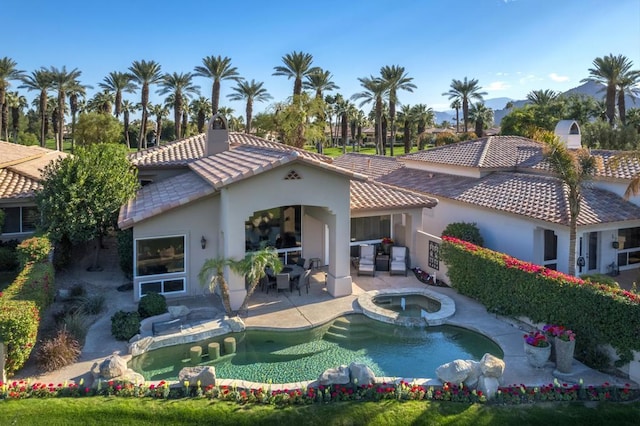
x,y
568,132
217,136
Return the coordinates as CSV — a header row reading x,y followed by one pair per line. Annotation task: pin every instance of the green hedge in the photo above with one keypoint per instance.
x,y
599,314
34,249
20,305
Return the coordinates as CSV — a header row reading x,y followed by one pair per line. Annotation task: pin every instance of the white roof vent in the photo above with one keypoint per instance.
x,y
217,135
569,132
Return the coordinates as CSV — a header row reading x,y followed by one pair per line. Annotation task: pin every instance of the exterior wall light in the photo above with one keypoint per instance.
x,y
203,242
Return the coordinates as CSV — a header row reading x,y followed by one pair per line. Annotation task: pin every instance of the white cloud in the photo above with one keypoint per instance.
x,y
558,78
529,78
497,85
502,74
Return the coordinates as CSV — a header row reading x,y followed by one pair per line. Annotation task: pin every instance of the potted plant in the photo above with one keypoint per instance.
x,y
537,348
564,343
386,244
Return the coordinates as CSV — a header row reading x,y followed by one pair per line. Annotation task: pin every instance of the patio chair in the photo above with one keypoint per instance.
x,y
398,264
367,263
266,282
303,280
283,282
301,261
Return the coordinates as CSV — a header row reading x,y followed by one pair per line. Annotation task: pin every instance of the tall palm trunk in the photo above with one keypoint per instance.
x,y
297,87
177,115
215,95
201,120
458,119
407,137
144,100
622,110
118,106
73,106
392,114
465,113
345,127
249,113
4,113
43,118
62,96
379,147
15,121
611,103
574,211
126,128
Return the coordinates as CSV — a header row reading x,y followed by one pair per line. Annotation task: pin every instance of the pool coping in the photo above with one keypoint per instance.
x,y
376,312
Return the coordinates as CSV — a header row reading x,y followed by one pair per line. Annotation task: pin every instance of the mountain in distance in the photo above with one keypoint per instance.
x,y
590,88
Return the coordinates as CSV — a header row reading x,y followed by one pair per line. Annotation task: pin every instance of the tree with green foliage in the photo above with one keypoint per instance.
x,y
610,70
465,90
573,167
82,194
319,82
117,83
96,128
599,135
464,231
41,81
216,68
374,92
179,86
297,65
63,82
250,92
482,116
144,74
395,78
294,124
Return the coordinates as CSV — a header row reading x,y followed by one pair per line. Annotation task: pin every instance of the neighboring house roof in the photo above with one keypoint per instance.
x,y
488,152
539,197
21,169
373,166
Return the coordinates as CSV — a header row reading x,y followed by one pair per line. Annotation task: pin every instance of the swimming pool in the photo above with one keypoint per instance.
x,y
293,356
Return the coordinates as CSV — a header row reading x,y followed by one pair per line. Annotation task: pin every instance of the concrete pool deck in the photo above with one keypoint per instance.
x,y
287,310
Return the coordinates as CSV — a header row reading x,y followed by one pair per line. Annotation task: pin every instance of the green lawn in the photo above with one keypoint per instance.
x,y
337,151
120,411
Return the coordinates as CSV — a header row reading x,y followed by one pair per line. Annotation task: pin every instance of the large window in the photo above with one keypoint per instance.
x,y
19,220
370,228
628,246
156,256
550,249
280,227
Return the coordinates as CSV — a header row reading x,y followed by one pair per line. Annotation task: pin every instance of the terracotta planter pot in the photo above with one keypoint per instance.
x,y
564,354
536,355
386,248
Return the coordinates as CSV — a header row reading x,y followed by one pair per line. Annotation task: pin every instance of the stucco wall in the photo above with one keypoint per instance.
x,y
194,221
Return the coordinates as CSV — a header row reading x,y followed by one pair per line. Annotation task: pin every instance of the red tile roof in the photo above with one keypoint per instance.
x,y
377,196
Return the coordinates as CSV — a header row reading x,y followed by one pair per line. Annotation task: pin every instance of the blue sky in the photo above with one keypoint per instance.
x,y
510,46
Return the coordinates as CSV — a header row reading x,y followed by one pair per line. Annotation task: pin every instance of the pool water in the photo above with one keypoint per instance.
x,y
293,356
414,304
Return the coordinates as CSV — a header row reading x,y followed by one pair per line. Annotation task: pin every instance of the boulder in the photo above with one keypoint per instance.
x,y
474,374
131,376
235,324
454,371
492,366
203,373
335,376
361,374
178,311
488,386
113,366
140,345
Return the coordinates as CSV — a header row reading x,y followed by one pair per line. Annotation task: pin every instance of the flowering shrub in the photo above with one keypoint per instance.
x,y
509,286
560,332
402,390
536,338
34,249
387,240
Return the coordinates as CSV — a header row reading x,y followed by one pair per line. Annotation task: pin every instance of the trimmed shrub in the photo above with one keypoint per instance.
x,y
465,232
19,320
125,251
152,304
597,313
125,325
58,352
601,279
35,282
35,249
8,259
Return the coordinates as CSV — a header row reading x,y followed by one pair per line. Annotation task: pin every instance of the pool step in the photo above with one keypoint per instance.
x,y
353,327
331,336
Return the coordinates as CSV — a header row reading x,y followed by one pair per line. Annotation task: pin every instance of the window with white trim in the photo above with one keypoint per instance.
x,y
160,262
18,220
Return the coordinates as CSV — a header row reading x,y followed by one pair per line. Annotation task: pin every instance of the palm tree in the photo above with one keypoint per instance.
x,y
608,70
482,116
375,90
201,107
424,116
180,86
144,74
249,91
297,65
17,103
395,79
41,81
101,102
627,85
542,98
218,69
319,81
212,275
160,112
117,83
408,118
8,72
127,108
76,94
457,105
63,81
465,90
573,168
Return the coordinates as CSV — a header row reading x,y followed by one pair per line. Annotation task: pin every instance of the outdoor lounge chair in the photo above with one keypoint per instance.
x,y
398,264
367,262
283,282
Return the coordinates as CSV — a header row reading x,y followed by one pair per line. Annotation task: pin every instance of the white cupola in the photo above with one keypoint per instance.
x,y
569,132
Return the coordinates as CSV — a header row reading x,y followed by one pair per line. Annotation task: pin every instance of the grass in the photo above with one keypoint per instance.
x,y
337,151
110,411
